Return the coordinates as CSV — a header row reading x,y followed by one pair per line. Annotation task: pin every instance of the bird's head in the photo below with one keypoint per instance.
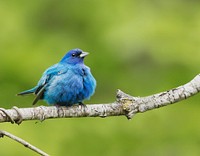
x,y
74,56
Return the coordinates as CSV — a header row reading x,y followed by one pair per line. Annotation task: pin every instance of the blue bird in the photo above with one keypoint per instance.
x,y
65,83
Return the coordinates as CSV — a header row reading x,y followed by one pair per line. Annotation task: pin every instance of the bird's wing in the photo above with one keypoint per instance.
x,y
45,79
39,94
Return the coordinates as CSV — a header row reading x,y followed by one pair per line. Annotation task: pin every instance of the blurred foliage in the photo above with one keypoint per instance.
x,y
140,46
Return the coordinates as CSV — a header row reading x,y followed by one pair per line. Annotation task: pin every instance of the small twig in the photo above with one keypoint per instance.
x,y
7,115
23,142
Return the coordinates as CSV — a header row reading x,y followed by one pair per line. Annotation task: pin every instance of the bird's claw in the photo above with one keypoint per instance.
x,y
82,104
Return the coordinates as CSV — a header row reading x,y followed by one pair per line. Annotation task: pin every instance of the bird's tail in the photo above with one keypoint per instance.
x,y
30,91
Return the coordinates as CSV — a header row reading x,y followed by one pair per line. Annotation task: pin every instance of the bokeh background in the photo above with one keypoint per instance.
x,y
141,47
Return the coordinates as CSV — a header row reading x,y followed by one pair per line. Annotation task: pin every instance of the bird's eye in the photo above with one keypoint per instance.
x,y
73,55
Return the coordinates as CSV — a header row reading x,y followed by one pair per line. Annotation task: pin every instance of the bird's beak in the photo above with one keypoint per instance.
x,y
83,54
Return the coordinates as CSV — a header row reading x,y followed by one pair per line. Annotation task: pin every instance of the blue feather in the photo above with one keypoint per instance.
x,y
67,82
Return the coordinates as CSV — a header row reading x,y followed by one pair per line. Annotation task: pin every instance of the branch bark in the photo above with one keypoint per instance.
x,y
124,105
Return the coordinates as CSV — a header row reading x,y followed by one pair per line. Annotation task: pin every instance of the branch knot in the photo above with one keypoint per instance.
x,y
128,103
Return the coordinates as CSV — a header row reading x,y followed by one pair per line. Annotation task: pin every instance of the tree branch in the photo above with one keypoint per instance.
x,y
124,105
23,142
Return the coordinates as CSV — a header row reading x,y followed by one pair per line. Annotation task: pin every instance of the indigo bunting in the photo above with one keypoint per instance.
x,y
65,83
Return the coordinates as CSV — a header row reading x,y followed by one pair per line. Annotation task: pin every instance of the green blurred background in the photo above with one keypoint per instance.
x,y
141,47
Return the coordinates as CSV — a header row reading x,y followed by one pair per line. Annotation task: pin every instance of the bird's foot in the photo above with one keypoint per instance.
x,y
82,104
